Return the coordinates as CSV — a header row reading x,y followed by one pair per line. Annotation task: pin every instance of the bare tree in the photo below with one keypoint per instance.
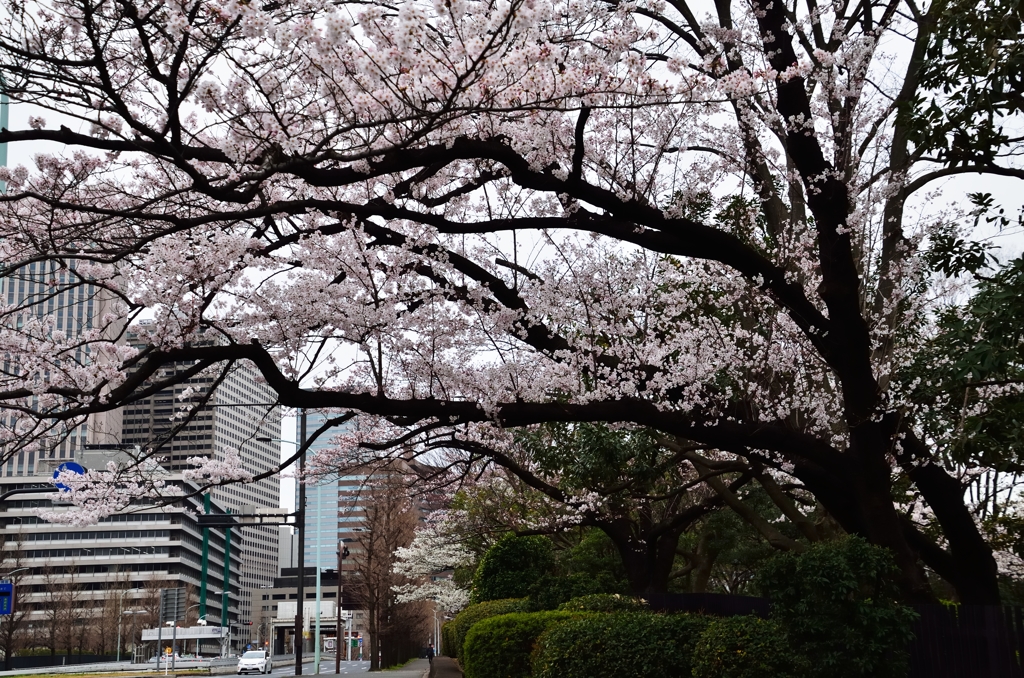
x,y
12,630
60,608
108,613
389,524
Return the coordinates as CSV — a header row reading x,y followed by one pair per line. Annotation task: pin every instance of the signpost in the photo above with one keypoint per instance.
x,y
66,467
6,597
172,608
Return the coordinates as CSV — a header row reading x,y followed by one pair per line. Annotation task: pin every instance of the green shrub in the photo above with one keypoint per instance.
x,y
550,591
471,615
512,567
839,603
604,602
448,639
745,647
500,647
635,644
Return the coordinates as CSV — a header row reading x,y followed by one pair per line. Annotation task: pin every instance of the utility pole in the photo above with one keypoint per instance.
x,y
5,105
342,554
316,636
301,510
206,561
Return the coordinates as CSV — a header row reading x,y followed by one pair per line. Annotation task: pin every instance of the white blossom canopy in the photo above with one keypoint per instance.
x,y
463,217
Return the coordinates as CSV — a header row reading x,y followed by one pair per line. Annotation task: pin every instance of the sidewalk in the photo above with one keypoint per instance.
x,y
445,667
417,668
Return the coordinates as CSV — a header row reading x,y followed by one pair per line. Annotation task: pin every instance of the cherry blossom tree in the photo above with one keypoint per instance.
x,y
433,552
465,217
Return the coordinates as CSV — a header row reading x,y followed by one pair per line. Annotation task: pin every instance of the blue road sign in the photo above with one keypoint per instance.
x,y
6,597
68,466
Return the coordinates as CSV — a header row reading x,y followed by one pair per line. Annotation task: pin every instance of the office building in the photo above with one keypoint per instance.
x,y
277,607
53,295
322,520
239,417
84,578
288,547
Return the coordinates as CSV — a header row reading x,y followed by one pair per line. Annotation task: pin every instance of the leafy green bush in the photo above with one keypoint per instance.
x,y
550,591
511,567
745,647
448,639
635,644
500,647
604,602
839,603
471,615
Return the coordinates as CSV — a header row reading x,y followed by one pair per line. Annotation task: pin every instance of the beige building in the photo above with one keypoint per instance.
x,y
274,623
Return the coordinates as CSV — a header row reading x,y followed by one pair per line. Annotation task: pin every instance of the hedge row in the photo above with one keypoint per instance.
x,y
604,602
464,621
835,614
501,647
640,644
619,644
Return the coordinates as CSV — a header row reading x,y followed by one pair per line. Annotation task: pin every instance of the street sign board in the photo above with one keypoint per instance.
x,y
67,467
6,597
173,604
186,633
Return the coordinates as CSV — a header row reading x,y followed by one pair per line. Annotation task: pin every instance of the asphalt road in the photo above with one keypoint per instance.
x,y
326,668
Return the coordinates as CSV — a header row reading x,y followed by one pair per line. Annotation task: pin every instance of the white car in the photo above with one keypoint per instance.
x,y
254,661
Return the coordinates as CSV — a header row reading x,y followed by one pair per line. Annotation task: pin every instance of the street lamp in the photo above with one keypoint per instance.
x,y
120,614
300,512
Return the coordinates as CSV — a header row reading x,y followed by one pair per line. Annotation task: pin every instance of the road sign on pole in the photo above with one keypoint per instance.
x,y
173,605
6,597
67,467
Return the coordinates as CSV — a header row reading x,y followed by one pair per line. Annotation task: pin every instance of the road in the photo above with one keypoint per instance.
x,y
326,668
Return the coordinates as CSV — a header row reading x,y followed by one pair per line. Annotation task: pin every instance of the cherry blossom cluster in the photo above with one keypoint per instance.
x,y
467,216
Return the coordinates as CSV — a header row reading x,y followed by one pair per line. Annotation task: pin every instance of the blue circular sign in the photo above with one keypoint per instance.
x,y
67,467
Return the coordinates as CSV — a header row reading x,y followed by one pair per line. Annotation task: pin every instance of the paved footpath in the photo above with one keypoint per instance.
x,y
445,667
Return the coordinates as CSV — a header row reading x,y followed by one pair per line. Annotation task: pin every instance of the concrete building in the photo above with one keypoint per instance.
x,y
277,607
88,575
63,302
239,417
288,548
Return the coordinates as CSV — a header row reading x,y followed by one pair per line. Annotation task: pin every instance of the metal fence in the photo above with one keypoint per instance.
x,y
967,641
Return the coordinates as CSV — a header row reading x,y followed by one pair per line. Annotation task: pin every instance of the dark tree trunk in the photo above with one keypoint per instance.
x,y
647,555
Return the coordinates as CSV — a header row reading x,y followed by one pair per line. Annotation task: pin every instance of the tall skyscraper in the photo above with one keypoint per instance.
x,y
323,523
52,297
237,418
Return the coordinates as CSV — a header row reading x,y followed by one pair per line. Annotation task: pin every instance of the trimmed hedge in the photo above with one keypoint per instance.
x,y
635,644
745,647
550,592
501,647
464,620
448,639
604,602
